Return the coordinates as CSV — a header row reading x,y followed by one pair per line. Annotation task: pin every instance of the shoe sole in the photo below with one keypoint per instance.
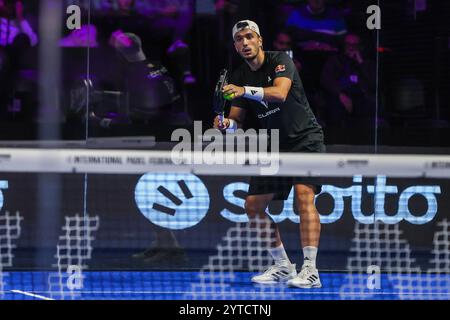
x,y
266,282
313,286
272,281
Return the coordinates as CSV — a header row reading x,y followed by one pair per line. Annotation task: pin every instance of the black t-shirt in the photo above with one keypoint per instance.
x,y
298,127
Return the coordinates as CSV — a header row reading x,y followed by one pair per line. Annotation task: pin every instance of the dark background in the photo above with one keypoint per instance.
x,y
413,56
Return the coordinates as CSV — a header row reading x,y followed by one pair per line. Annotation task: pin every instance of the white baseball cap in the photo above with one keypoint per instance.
x,y
245,24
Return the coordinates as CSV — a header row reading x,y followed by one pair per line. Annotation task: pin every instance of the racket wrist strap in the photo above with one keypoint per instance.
x,y
254,93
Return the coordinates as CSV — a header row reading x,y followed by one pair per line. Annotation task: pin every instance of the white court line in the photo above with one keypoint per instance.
x,y
250,292
31,295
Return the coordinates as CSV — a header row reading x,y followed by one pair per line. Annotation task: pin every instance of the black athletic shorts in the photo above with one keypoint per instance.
x,y
281,186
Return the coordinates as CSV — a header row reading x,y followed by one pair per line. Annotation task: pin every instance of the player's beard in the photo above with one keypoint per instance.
x,y
253,56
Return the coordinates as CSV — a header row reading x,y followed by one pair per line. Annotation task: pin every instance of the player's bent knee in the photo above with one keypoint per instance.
x,y
305,193
305,200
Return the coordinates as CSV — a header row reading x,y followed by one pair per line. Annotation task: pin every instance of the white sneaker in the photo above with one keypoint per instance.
x,y
276,273
307,278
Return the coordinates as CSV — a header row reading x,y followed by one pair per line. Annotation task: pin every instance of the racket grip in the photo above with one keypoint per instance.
x,y
221,117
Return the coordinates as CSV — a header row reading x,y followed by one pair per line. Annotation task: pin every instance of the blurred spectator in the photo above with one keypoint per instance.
x,y
283,42
120,15
125,6
221,42
316,27
285,9
226,11
4,72
164,25
171,17
170,23
81,38
23,78
150,89
229,6
3,62
317,30
18,74
13,23
350,81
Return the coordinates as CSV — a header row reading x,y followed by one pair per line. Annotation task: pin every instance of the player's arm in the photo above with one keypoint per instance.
x,y
276,93
234,121
279,91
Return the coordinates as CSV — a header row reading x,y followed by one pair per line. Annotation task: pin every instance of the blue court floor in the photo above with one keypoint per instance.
x,y
175,285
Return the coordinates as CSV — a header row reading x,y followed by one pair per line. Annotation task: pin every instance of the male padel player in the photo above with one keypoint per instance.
x,y
269,84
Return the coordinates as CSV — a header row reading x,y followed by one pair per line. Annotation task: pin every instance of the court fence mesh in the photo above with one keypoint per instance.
x,y
130,224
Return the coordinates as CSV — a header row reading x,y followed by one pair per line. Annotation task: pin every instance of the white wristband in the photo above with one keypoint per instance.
x,y
254,93
232,126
